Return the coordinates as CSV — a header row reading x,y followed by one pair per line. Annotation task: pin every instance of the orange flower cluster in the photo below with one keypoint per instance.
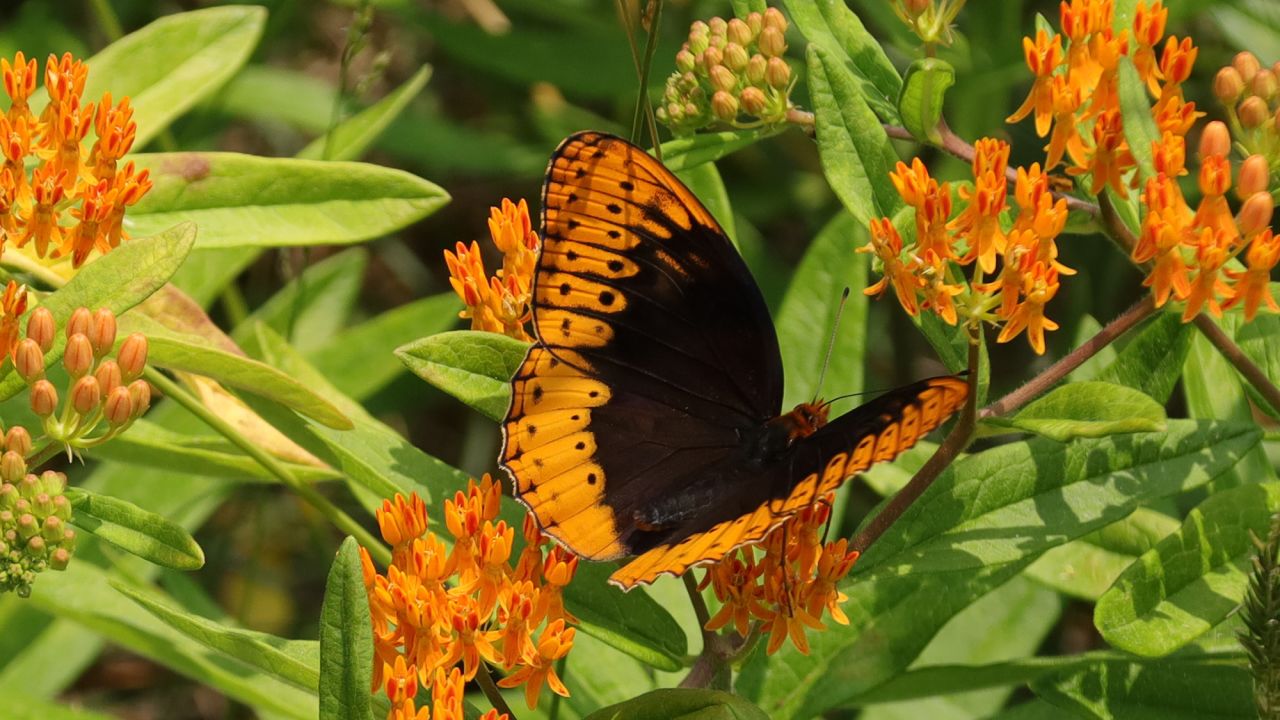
x,y
499,304
1076,92
13,304
926,274
439,613
788,586
401,685
1189,250
68,181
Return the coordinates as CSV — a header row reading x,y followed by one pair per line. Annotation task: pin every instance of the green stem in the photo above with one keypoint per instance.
x,y
107,19
485,680
340,519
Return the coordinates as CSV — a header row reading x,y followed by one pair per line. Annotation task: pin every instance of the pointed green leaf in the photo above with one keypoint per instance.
x,y
1191,580
705,182
118,280
1089,410
22,707
1135,111
1152,360
681,704
832,26
141,532
292,661
689,152
352,137
1183,690
856,154
923,91
346,640
1260,340
175,62
475,367
245,200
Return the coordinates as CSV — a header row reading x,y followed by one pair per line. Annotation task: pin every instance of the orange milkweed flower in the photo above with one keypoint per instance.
x,y
539,666
1213,249
886,244
502,303
1043,56
1040,284
979,223
1109,158
1253,286
1148,28
13,304
20,80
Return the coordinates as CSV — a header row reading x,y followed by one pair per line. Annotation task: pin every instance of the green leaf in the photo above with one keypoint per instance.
x,y
353,136
361,360
1184,690
951,342
475,367
346,640
681,704
246,200
177,350
22,707
832,26
1088,567
1152,360
923,91
292,661
855,152
1260,341
1192,580
141,532
118,280
82,594
1135,111
315,303
1090,410
807,316
743,8
1017,500
689,152
1248,24
175,62
705,183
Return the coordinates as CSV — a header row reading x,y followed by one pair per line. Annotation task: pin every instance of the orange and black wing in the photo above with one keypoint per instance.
x,y
655,352
751,499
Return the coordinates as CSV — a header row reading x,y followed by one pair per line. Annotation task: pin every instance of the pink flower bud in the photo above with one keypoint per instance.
x,y
103,335
724,105
80,322
1246,63
1253,112
1254,176
109,375
753,101
28,360
140,394
12,467
41,328
1215,140
1255,214
44,398
739,32
736,57
723,78
756,69
772,42
132,356
60,559
773,18
119,407
18,440
685,61
86,395
77,358
778,73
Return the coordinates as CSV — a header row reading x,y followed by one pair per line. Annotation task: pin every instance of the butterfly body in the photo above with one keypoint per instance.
x,y
647,418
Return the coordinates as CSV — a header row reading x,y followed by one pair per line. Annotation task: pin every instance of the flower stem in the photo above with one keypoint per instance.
x,y
331,512
1038,385
107,19
713,662
957,440
485,680
1234,355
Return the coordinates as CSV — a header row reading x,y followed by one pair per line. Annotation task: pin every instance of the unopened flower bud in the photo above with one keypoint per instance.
x,y
1227,85
86,395
1264,84
691,111
59,559
27,526
1246,63
132,357
52,528
699,37
41,328
52,482
109,376
778,73
8,496
755,22
916,7
685,61
753,101
772,42
736,57
722,78
1253,112
1255,214
77,358
28,360
675,112
119,407
62,507
773,18
756,69
18,440
1253,177
12,467
80,322
36,545
718,26
711,57
724,105
739,32
140,394
103,335
44,399
1215,140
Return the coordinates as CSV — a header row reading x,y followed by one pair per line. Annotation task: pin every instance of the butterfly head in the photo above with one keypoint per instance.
x,y
806,418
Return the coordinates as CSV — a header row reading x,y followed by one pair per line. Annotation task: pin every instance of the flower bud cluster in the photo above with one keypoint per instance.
x,y
100,389
930,20
1250,92
731,72
35,518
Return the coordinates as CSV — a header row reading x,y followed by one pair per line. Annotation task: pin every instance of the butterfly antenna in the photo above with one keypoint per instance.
x,y
831,343
651,16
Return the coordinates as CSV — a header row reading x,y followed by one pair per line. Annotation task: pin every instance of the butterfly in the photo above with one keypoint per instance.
x,y
646,420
